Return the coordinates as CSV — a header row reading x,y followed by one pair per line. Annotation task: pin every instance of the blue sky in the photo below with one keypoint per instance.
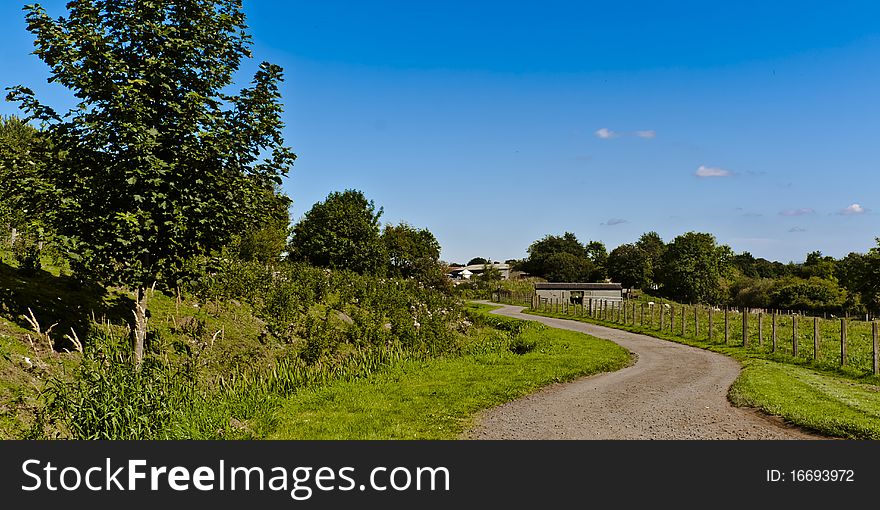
x,y
495,123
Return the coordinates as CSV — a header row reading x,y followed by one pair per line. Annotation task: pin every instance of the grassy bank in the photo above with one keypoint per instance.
x,y
438,398
251,353
832,400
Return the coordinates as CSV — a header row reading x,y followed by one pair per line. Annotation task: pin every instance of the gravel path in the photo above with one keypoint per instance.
x,y
673,391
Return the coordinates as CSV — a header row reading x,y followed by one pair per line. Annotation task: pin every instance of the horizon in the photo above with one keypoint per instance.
x,y
492,125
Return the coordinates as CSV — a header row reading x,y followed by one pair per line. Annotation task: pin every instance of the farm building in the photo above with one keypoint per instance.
x,y
465,273
578,293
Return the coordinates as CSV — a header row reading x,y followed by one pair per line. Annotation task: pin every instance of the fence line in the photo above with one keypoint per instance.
x,y
857,344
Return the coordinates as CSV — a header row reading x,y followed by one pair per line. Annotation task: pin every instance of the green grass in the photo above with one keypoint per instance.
x,y
817,395
438,398
832,406
220,375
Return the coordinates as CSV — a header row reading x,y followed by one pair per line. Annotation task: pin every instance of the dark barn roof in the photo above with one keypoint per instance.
x,y
578,286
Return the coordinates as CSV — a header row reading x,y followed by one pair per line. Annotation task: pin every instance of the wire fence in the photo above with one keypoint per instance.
x,y
828,342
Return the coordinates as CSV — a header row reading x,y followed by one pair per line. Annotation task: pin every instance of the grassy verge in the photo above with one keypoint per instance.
x,y
438,398
832,401
833,406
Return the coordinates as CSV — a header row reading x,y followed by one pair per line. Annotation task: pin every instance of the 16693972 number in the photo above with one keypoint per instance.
x,y
822,475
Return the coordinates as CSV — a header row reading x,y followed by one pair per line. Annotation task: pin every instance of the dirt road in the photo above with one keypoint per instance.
x,y
673,391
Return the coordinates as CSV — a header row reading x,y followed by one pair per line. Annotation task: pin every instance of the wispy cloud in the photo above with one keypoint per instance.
x,y
852,210
797,229
797,212
753,215
615,221
605,133
709,171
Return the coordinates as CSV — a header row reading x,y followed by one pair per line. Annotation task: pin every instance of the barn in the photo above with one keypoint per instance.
x,y
578,293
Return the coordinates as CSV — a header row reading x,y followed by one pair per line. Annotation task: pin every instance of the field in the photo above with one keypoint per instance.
x,y
819,394
725,327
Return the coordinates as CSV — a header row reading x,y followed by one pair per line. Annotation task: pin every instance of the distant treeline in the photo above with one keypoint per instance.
x,y
694,268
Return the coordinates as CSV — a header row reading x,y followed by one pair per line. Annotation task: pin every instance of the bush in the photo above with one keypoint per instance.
x,y
27,256
520,345
109,398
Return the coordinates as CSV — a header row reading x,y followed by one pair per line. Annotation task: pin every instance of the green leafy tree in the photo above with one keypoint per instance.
x,y
813,295
746,264
19,177
567,267
630,266
753,292
341,232
653,247
540,251
598,255
156,164
414,253
267,240
477,261
819,266
693,268
859,274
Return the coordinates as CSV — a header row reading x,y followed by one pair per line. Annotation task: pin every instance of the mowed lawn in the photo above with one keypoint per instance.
x,y
830,405
439,398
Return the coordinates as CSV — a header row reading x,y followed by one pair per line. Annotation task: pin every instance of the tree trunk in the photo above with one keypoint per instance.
x,y
139,330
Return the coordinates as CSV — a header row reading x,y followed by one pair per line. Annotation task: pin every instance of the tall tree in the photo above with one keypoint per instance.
x,y
540,251
412,252
567,267
19,177
341,232
156,163
819,266
630,266
598,255
652,246
693,268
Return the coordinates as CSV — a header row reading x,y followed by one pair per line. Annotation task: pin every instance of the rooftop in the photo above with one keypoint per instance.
x,y
578,286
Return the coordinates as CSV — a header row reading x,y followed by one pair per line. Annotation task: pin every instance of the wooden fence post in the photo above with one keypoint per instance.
x,y
773,331
726,325
876,353
683,321
794,336
745,328
642,318
761,328
672,319
842,342
815,338
711,325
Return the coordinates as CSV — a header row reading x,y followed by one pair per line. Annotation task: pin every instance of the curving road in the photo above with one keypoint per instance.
x,y
673,391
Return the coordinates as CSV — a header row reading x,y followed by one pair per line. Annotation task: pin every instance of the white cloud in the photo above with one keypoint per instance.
x,y
708,171
797,212
797,229
853,209
615,221
648,133
605,133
